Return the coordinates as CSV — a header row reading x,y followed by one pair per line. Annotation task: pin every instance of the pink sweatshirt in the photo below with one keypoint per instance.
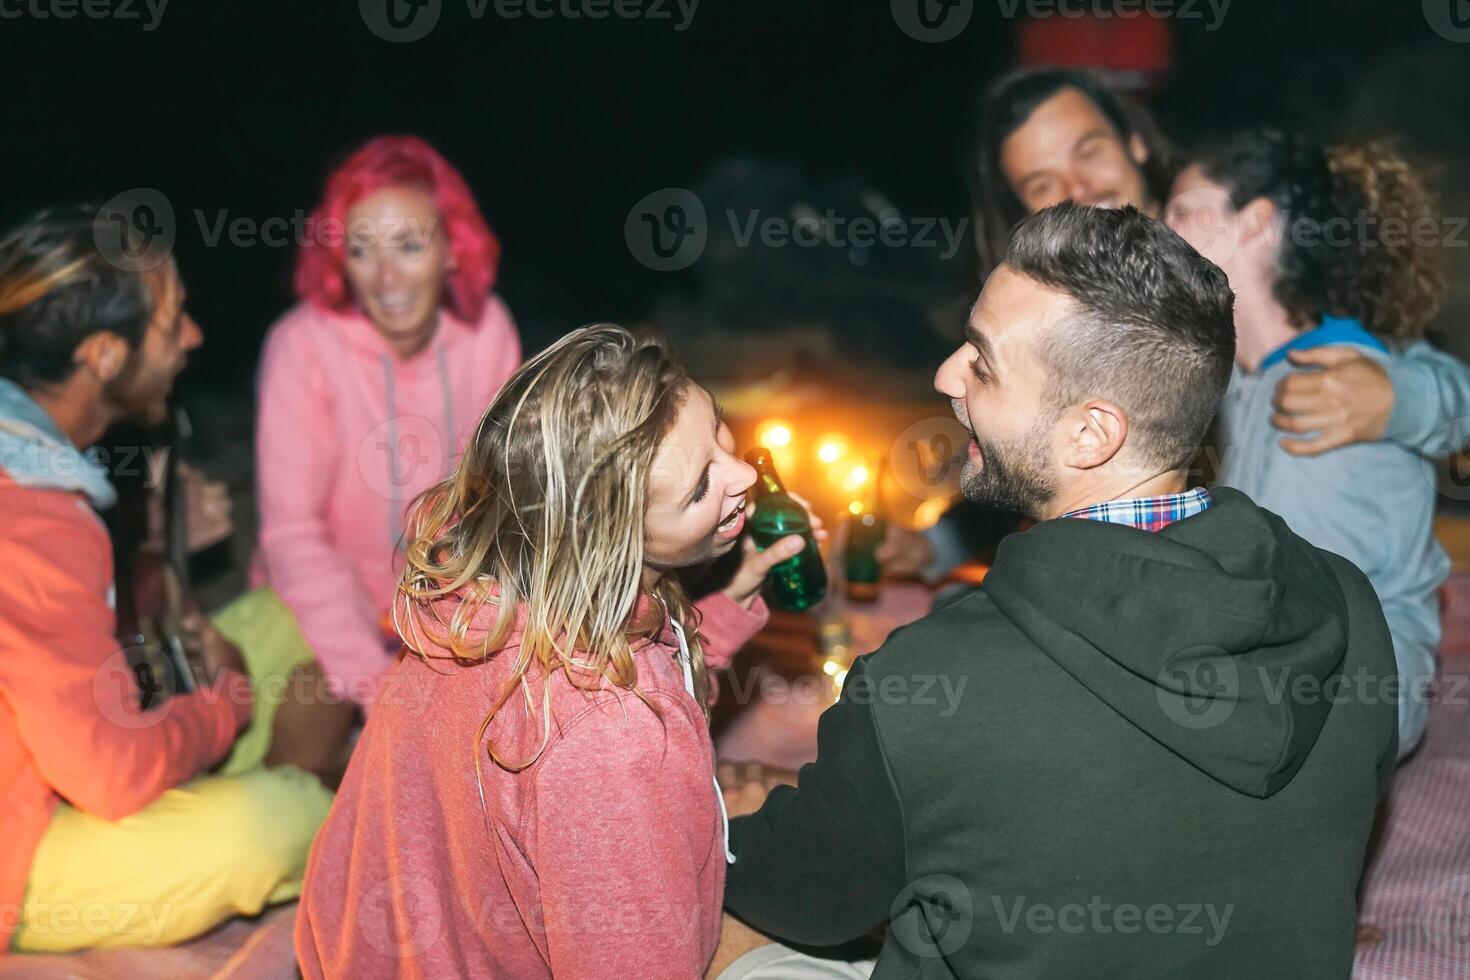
x,y
604,858
347,434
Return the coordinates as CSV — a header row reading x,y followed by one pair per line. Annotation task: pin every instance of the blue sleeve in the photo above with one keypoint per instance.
x,y
1431,401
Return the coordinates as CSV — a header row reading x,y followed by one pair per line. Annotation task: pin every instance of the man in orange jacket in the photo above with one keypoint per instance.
x,y
111,834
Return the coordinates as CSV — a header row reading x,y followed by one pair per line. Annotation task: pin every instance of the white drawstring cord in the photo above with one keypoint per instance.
x,y
685,661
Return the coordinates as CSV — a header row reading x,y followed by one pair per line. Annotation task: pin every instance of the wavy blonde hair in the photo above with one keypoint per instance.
x,y
543,519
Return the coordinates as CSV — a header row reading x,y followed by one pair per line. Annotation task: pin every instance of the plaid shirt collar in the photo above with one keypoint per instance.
x,y
1147,513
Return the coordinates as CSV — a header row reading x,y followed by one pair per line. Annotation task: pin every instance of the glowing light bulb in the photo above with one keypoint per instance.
x,y
831,667
773,434
832,447
856,477
930,511
855,508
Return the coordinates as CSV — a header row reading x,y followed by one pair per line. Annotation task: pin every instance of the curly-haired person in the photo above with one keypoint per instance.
x,y
1328,246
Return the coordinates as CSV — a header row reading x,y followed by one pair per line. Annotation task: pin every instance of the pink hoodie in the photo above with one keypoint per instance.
x,y
603,858
347,434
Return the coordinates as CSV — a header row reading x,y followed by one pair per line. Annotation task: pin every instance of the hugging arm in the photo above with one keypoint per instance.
x,y
1343,397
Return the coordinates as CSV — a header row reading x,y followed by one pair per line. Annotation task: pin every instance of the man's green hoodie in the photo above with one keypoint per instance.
x,y
1129,754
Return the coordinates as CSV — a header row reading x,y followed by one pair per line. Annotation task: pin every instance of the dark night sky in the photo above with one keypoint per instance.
x,y
561,125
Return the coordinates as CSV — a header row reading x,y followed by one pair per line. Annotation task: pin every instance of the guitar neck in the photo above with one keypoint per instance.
x,y
176,502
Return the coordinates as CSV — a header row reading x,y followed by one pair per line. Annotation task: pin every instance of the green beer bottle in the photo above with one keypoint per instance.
x,y
797,583
866,526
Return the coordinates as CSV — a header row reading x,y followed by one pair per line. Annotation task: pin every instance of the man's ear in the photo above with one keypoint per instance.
x,y
1138,149
1096,431
103,354
1258,220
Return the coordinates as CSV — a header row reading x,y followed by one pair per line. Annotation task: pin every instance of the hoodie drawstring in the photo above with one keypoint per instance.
x,y
451,440
395,517
685,662
446,394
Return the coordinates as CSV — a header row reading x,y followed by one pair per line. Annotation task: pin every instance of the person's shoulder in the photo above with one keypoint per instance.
x,y
51,528
300,346
288,340
46,510
961,629
1357,591
613,729
496,315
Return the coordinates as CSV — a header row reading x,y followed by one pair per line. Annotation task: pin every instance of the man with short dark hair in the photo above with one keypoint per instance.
x,y
1152,743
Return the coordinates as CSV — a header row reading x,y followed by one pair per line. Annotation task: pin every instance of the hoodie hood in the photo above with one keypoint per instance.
x,y
35,453
1198,634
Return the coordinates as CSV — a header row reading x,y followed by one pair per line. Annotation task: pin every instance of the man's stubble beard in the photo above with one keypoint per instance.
x,y
1014,476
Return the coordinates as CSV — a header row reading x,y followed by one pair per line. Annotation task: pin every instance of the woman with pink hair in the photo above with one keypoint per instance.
x,y
369,389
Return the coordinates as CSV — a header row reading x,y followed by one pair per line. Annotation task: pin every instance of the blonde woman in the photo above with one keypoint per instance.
x,y
534,793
